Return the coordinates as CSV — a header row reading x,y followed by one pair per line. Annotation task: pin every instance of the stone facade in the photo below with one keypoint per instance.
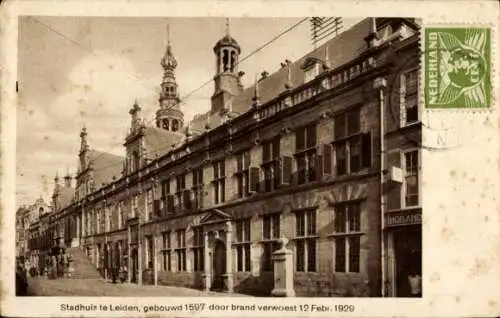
x,y
303,163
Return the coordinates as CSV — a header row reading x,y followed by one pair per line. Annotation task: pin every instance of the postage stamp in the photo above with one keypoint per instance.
x,y
457,67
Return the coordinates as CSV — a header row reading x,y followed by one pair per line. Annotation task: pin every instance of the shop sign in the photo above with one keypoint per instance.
x,y
403,218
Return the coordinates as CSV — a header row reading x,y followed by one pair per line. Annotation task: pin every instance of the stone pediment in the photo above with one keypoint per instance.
x,y
215,216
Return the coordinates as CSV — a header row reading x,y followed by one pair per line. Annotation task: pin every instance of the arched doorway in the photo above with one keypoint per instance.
x,y
219,265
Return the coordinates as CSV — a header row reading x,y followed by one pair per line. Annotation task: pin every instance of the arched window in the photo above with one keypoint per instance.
x,y
158,123
175,125
166,124
225,60
233,61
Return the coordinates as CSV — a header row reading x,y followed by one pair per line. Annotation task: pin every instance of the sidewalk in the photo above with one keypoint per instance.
x,y
88,287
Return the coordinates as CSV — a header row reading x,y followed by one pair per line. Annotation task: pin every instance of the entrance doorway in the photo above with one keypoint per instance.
x,y
408,254
219,265
135,265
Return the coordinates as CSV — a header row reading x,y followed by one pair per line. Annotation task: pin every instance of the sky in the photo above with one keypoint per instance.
x,y
75,71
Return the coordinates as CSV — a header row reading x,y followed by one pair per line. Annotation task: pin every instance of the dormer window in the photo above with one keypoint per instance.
x,y
312,68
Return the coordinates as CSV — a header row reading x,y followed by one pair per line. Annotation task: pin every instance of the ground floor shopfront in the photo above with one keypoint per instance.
x,y
334,234
404,253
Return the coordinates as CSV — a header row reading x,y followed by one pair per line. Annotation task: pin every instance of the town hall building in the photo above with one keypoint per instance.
x,y
324,152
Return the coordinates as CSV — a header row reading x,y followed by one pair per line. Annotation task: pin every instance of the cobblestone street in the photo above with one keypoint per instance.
x,y
87,287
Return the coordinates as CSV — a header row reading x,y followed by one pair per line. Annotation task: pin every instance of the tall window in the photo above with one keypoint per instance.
x,y
305,153
198,188
149,251
243,173
98,221
409,97
270,163
135,206
181,250
149,204
119,211
411,178
198,249
219,181
166,252
243,243
271,234
305,234
107,215
347,240
353,148
180,187
165,192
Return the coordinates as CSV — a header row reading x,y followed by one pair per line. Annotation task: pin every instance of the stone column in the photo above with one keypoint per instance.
x,y
207,274
155,258
229,257
283,271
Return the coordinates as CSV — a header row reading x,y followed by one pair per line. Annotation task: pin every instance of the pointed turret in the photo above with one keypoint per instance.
x,y
169,116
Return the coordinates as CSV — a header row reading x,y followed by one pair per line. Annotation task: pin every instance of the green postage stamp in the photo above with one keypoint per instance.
x,y
457,67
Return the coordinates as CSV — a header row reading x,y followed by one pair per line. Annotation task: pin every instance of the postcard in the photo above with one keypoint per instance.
x,y
253,159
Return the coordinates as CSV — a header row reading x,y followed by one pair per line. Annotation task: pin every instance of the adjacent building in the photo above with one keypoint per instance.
x,y
324,152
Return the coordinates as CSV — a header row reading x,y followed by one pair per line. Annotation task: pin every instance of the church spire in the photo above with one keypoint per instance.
x,y
169,116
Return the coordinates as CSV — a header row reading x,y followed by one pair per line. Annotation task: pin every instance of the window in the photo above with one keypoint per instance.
x,y
270,163
243,244
347,225
411,178
98,221
166,252
305,153
219,181
198,188
198,249
271,234
305,233
135,206
311,72
149,251
180,187
136,161
181,250
107,213
149,204
165,192
243,173
409,97
353,148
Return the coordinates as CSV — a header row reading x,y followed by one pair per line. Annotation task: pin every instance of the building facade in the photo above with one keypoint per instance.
x,y
324,152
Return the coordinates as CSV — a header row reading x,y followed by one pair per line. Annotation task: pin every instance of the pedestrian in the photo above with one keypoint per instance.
x,y
415,281
21,280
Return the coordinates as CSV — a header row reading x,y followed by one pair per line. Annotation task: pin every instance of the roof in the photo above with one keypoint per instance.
x,y
66,196
227,40
105,166
159,141
338,51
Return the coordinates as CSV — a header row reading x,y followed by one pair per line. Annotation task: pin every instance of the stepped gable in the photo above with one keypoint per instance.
x,y
105,166
343,48
159,141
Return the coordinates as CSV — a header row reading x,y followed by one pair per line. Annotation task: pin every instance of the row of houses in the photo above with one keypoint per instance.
x,y
324,151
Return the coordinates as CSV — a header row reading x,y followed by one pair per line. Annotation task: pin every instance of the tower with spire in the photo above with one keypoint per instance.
x,y
169,117
227,79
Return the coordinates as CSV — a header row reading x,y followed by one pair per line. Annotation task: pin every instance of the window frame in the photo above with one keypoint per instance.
x,y
270,165
307,153
304,239
348,236
180,186
219,181
242,173
243,244
403,110
166,251
403,154
181,250
270,242
198,249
